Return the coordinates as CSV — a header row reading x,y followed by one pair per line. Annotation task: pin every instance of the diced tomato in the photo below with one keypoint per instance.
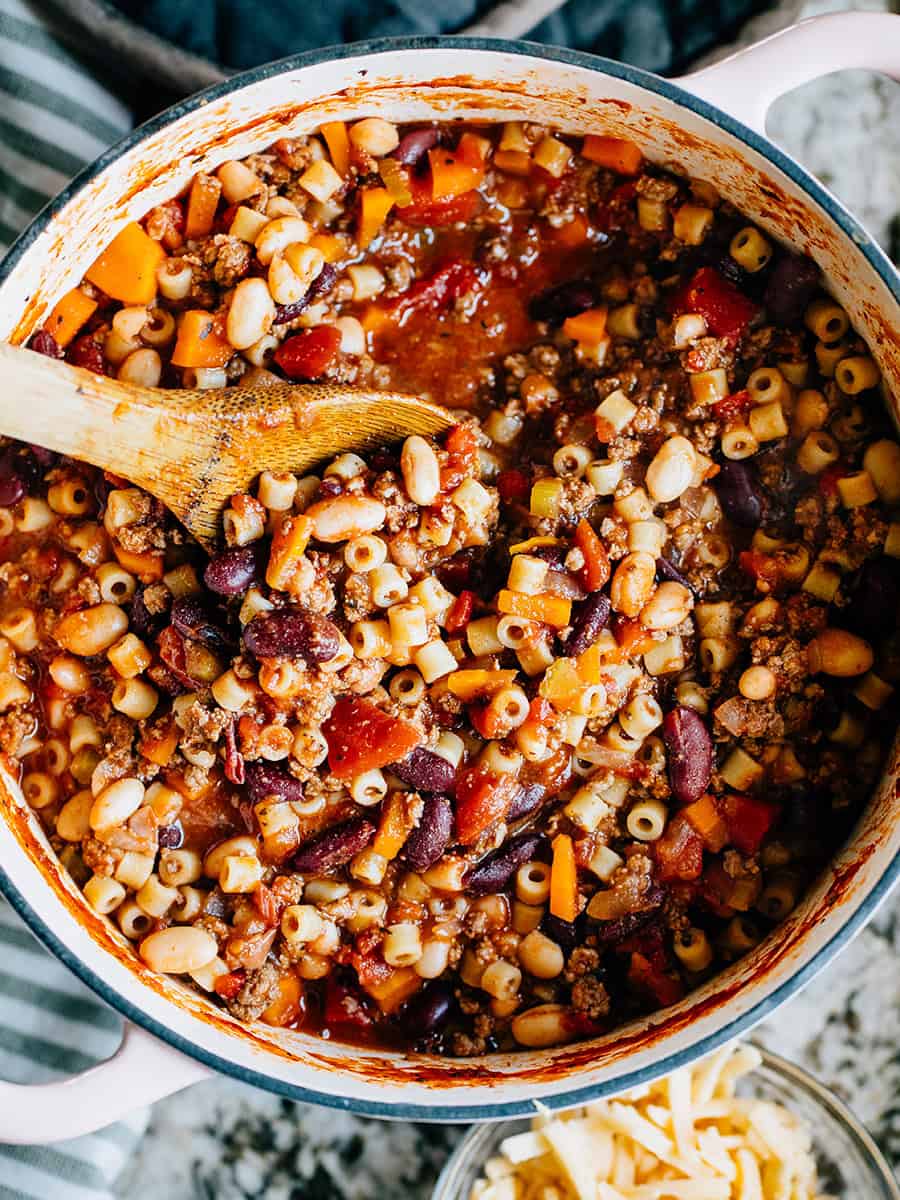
x,y
715,888
228,986
460,613
486,722
461,445
426,212
679,852
362,738
748,820
482,798
595,571
435,293
225,218
267,904
726,310
761,566
729,408
513,485
665,988
828,480
345,1005
309,354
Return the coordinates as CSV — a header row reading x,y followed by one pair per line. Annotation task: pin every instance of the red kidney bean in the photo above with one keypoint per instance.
x,y
320,286
526,800
740,493
876,595
589,620
431,836
690,753
233,571
428,1011
85,352
554,555
617,930
265,779
415,145
335,847
666,570
564,933
346,1004
190,617
565,300
293,633
45,343
425,771
12,484
143,622
792,283
494,872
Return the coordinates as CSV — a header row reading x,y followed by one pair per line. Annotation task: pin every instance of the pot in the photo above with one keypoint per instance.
x,y
175,1035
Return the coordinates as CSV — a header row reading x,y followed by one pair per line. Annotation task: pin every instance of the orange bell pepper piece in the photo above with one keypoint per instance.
x,y
514,162
595,571
398,818
288,545
390,991
126,270
332,246
706,819
199,343
338,143
571,235
148,565
552,610
474,683
69,315
286,1008
588,326
563,879
617,154
374,205
203,200
451,175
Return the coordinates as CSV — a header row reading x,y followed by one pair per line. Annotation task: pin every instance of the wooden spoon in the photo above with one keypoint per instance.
x,y
193,448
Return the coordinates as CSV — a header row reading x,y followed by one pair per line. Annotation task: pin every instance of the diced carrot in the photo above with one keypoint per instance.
x,y
514,162
331,245
451,176
589,326
126,270
595,571
571,235
633,639
374,205
617,154
159,745
394,989
287,1005
288,545
398,817
203,200
473,149
563,879
69,315
592,664
148,565
474,684
706,819
552,610
338,143
199,343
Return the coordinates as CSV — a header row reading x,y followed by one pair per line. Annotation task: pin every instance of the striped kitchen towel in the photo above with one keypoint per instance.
x,y
54,118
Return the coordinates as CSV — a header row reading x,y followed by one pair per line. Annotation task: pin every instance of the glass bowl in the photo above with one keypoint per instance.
x,y
851,1167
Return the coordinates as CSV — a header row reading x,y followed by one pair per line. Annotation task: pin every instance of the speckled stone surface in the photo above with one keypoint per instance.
x,y
224,1141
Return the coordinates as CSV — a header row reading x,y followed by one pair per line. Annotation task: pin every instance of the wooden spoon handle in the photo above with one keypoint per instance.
x,y
91,417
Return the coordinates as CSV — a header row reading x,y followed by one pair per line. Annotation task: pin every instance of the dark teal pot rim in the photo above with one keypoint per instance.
x,y
571,1096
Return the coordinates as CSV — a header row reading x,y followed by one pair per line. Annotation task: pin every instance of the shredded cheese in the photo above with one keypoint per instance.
x,y
686,1137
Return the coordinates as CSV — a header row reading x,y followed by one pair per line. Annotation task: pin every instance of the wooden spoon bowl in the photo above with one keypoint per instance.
x,y
195,448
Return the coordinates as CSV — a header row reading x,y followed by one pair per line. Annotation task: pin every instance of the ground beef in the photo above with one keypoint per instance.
x,y
582,961
102,859
15,726
230,259
465,1046
589,996
259,991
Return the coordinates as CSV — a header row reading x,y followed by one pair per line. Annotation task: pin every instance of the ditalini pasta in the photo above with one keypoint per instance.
x,y
689,1136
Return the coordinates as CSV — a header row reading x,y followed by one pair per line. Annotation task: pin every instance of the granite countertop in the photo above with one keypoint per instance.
x,y
222,1140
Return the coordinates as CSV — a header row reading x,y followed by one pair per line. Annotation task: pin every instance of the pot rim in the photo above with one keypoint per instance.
x,y
848,928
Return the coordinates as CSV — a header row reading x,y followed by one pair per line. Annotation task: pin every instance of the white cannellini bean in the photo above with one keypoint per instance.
x,y
117,803
251,313
421,471
178,949
343,517
374,136
672,470
275,237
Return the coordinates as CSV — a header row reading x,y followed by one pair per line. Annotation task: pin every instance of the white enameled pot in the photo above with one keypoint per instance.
x,y
417,80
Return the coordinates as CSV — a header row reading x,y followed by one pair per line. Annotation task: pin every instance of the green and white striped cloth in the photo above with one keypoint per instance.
x,y
54,118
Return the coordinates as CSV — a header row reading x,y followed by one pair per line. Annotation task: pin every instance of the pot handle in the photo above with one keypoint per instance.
x,y
746,83
141,1070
